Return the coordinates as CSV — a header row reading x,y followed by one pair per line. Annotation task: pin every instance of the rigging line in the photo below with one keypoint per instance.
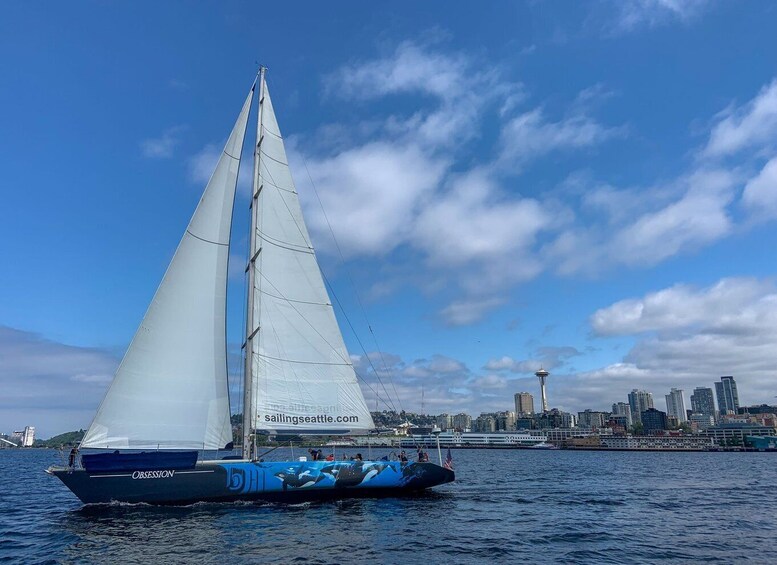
x,y
299,229
262,277
280,242
296,362
297,301
353,286
358,339
308,251
275,185
263,152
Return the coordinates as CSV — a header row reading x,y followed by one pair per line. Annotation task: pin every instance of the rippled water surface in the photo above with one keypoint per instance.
x,y
517,505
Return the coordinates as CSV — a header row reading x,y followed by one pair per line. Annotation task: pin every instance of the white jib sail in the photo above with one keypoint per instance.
x,y
171,389
303,378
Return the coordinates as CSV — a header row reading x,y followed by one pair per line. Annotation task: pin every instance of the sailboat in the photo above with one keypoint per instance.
x,y
169,399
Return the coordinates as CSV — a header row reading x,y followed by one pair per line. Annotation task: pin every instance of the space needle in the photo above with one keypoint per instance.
x,y
542,374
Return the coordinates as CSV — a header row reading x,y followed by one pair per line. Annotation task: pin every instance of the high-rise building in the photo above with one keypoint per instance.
x,y
702,401
524,404
639,401
653,420
675,405
623,409
728,398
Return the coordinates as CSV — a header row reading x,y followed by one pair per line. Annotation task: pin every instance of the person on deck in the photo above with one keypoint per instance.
x,y
315,454
71,462
330,457
402,457
423,457
359,457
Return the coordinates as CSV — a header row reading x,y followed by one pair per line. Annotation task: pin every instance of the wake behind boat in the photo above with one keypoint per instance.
x,y
169,398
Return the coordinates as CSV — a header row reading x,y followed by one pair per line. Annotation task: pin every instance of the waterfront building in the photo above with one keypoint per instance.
x,y
554,418
623,409
505,421
485,423
459,439
524,404
764,443
700,422
639,401
675,405
728,397
681,443
462,422
592,419
559,435
760,409
653,420
619,423
444,422
24,438
734,433
702,402
526,423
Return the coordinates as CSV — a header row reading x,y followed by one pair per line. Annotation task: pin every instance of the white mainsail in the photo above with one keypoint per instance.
x,y
299,375
171,389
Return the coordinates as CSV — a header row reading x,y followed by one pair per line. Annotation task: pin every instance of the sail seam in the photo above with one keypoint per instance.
x,y
228,155
302,362
279,136
308,251
274,159
306,245
275,185
297,301
206,240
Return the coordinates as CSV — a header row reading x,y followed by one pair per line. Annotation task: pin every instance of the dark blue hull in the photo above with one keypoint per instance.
x,y
224,481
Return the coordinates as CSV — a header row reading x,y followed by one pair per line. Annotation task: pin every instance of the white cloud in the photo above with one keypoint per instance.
x,y
760,194
633,14
547,357
643,228
752,125
372,195
162,147
468,311
681,307
531,135
49,385
411,68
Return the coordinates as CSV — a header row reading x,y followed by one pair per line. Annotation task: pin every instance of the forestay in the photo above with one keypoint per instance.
x,y
302,376
171,391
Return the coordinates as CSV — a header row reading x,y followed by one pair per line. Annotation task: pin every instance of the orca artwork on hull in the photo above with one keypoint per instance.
x,y
169,399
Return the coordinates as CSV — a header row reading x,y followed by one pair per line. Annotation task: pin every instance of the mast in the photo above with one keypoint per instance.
x,y
252,327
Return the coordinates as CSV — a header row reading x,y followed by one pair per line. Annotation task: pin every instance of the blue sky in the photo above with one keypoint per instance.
x,y
587,186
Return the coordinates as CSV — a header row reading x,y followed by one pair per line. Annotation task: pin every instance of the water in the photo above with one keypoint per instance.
x,y
530,506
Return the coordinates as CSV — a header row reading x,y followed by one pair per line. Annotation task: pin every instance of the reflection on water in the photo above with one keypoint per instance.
x,y
536,506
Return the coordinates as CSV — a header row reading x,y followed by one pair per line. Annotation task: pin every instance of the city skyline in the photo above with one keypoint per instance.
x,y
610,221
